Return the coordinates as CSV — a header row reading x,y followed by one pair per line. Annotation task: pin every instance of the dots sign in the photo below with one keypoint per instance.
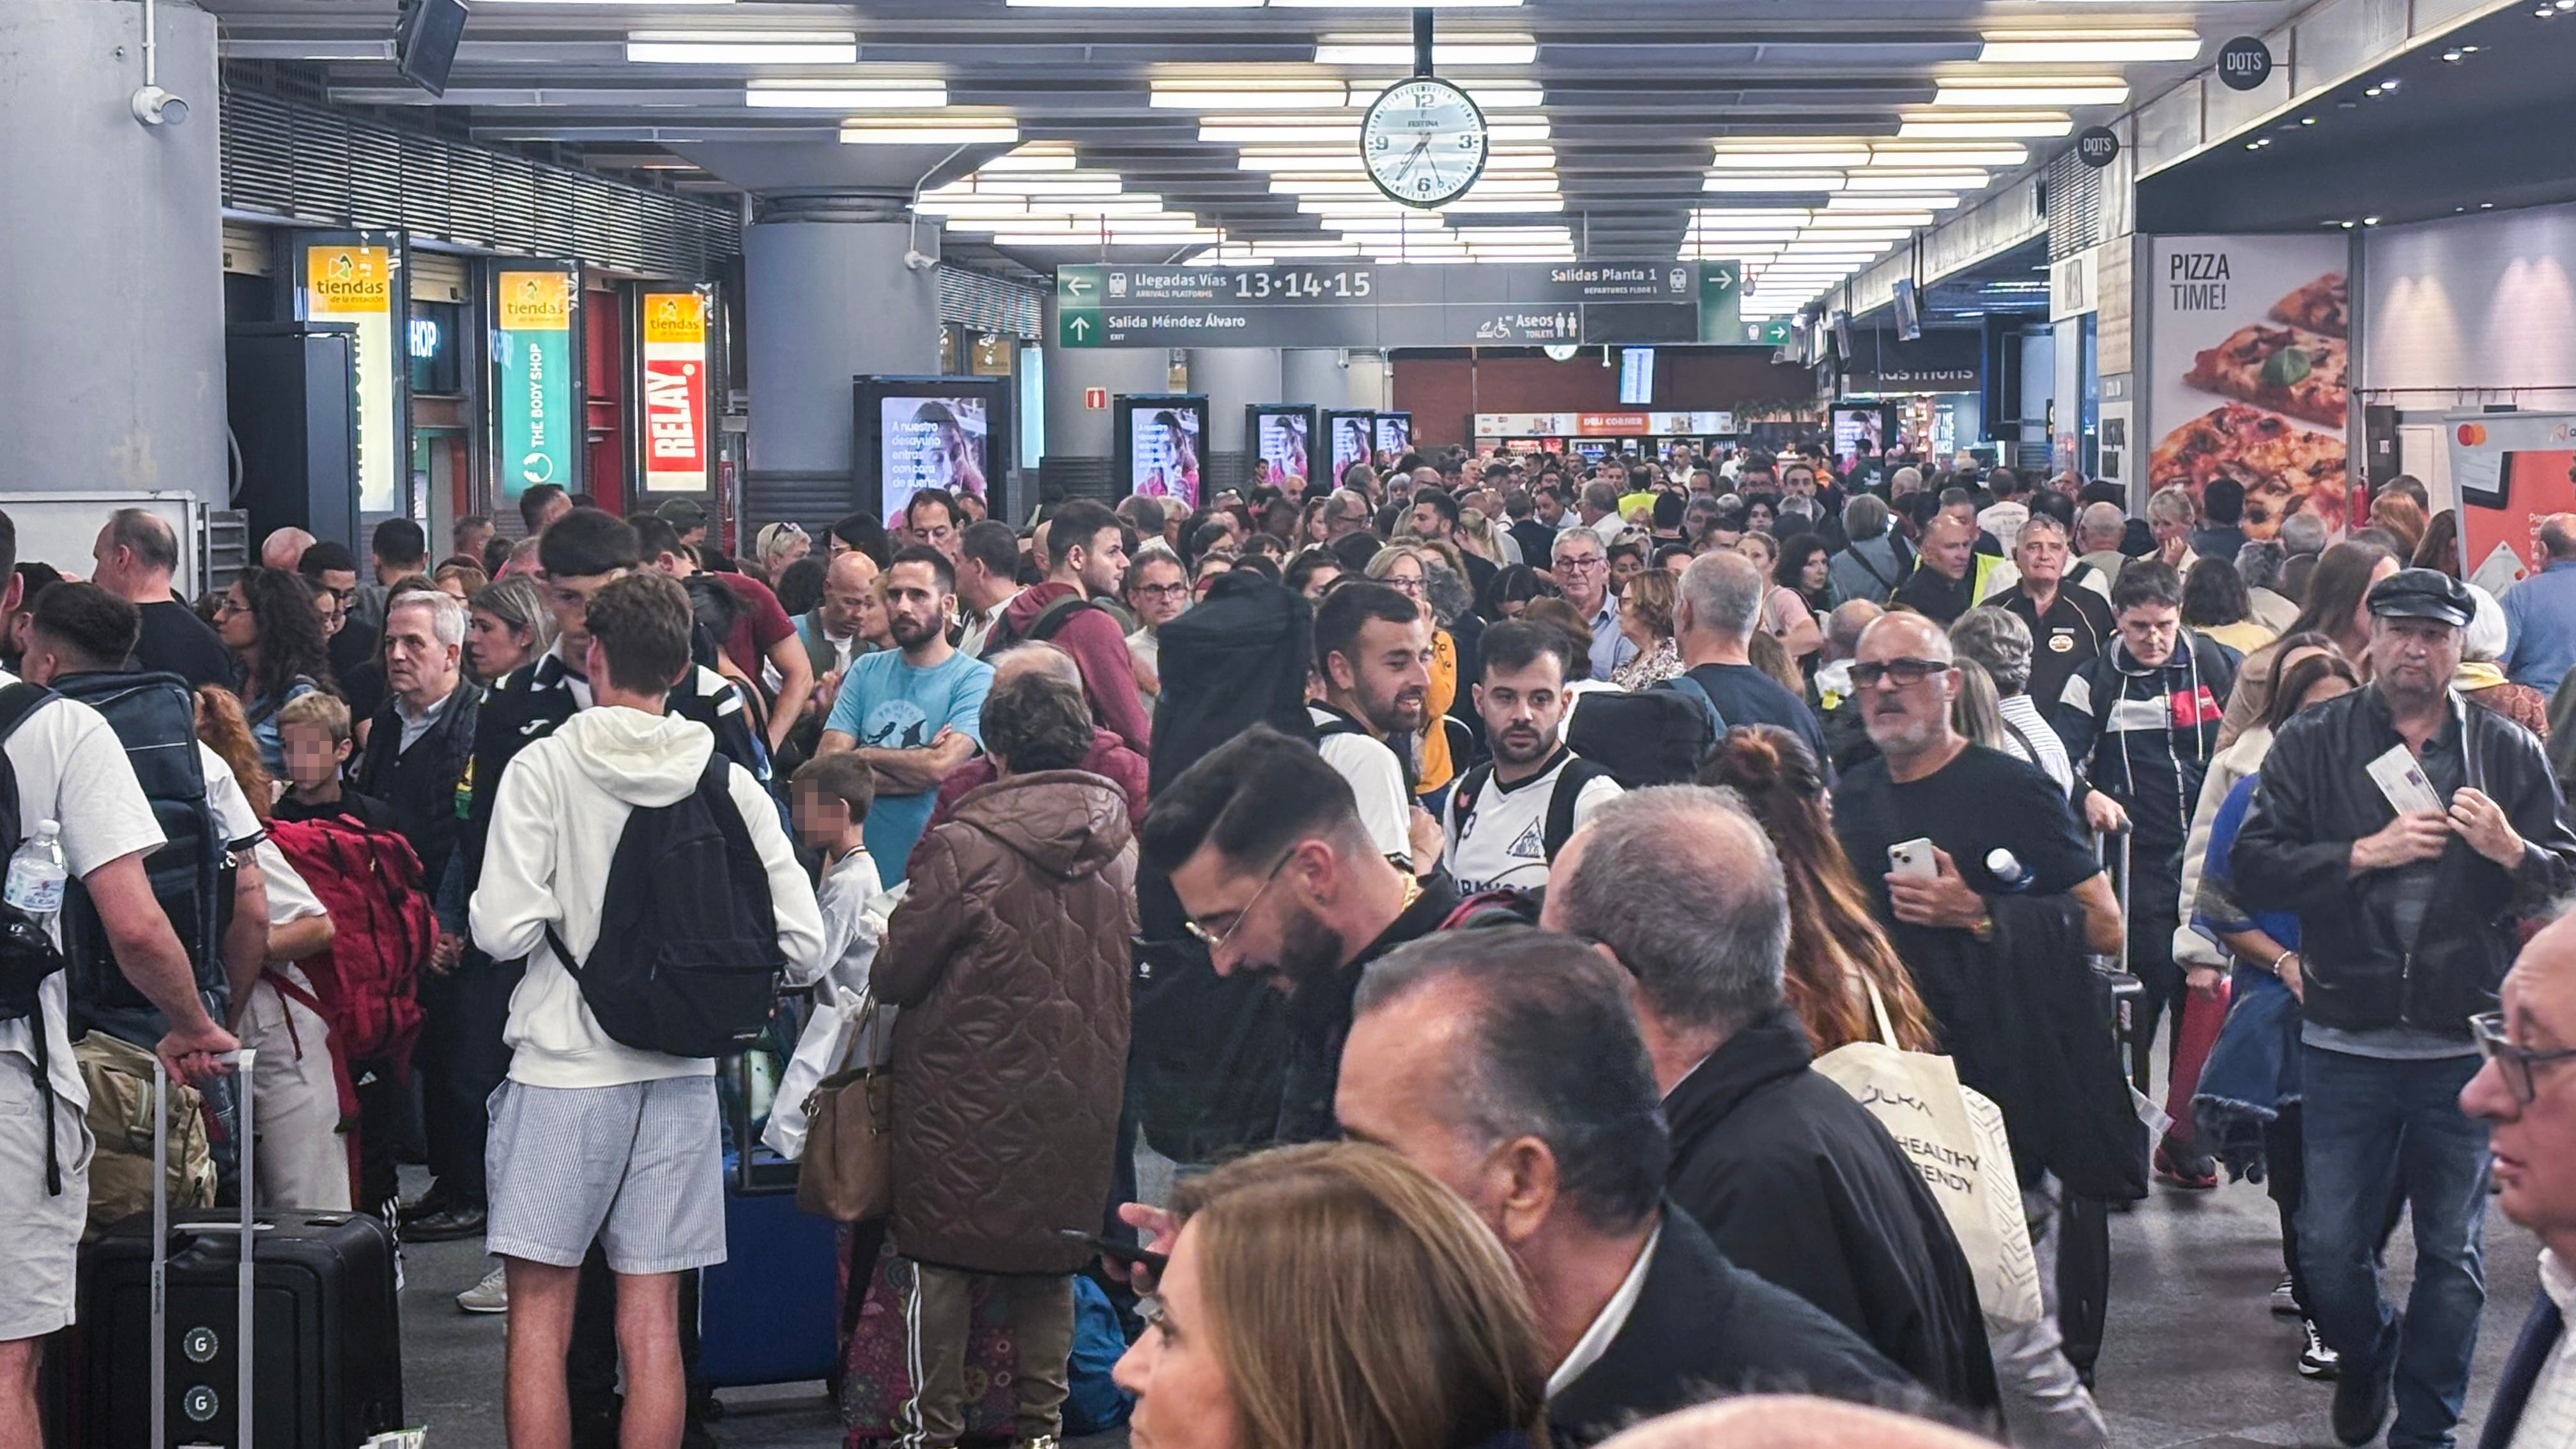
x,y
2244,63
2097,146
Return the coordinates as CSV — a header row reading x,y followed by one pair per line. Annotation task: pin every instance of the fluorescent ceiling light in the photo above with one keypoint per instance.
x,y
1772,181
1873,218
1504,206
1278,128
1915,181
1989,92
637,4
1873,204
2115,47
1791,156
1042,185
973,207
1393,4
1336,160
1992,158
1139,4
1363,94
1516,49
847,95
947,133
1029,159
1236,96
1947,128
743,47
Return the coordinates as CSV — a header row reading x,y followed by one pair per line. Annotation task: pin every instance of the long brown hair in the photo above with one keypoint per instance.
x,y
224,729
1835,941
1357,1303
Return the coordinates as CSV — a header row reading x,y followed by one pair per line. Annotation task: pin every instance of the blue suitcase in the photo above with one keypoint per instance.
x,y
767,1314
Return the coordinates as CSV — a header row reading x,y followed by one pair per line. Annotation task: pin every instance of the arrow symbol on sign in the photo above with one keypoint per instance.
x,y
1076,285
1080,327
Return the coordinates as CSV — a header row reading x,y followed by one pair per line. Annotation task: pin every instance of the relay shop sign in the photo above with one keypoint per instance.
x,y
540,411
674,390
1395,305
355,283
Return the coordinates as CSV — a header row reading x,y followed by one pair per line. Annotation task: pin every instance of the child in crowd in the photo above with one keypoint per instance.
x,y
830,797
313,738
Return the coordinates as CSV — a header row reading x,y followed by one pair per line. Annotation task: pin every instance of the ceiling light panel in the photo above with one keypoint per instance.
x,y
2087,47
1397,51
931,133
2000,92
1922,127
743,47
836,95
1237,96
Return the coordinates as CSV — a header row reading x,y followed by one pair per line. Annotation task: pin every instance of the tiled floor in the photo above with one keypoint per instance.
x,y
2193,1355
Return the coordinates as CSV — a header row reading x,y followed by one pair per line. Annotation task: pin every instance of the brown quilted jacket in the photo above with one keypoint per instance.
x,y
1009,959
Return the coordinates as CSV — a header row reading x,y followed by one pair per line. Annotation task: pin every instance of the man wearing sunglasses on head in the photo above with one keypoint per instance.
x,y
1991,895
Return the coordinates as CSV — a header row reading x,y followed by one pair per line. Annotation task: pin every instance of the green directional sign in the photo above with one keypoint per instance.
x,y
1721,301
1078,293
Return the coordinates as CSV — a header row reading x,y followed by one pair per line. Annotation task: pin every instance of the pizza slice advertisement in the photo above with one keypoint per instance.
x,y
2286,369
2323,305
2283,467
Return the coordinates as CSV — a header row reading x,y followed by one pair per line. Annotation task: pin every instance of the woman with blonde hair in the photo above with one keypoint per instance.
x,y
1837,949
1334,1296
1646,618
1785,615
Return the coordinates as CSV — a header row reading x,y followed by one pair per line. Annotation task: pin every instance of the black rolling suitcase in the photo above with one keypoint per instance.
x,y
316,1301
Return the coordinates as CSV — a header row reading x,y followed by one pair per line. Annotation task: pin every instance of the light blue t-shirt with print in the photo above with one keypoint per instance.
x,y
887,704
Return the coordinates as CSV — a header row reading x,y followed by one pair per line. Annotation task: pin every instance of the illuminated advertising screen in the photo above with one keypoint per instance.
x,y
672,389
1352,435
1161,438
537,422
914,433
1395,433
357,279
1283,445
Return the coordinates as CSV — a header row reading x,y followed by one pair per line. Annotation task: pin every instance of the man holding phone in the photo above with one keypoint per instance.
x,y
1973,858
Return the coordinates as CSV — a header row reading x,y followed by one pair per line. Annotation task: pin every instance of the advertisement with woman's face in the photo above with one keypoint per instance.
x,y
932,443
1163,453
1283,448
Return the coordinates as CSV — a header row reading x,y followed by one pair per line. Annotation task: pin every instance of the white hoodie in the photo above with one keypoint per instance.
x,y
562,805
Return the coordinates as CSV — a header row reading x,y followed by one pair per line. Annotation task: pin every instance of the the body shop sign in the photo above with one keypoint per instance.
x,y
540,407
673,391
356,284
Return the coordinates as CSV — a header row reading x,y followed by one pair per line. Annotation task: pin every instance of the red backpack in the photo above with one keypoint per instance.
x,y
382,932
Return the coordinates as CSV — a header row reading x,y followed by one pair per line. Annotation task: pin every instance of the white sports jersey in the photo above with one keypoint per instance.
x,y
1503,844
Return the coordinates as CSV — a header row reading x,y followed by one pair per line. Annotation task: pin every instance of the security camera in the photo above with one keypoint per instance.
x,y
918,260
154,106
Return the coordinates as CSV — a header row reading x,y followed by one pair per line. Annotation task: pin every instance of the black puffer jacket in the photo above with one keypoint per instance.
x,y
2294,854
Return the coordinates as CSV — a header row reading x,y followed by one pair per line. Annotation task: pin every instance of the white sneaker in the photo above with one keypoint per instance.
x,y
492,1295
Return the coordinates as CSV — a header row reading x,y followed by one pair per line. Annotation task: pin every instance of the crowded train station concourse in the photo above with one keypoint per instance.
x,y
1287,724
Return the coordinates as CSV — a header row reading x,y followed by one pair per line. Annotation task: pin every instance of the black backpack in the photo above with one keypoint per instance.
x,y
1568,791
154,717
687,961
1654,736
1209,1059
27,954
1049,622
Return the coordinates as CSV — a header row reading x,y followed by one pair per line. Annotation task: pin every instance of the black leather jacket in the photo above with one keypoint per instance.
x,y
2294,854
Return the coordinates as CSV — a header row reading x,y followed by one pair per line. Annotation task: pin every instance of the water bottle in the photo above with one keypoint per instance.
x,y
2009,873
37,873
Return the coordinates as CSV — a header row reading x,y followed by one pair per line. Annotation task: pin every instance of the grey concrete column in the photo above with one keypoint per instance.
x,y
829,298
1078,439
1372,381
1315,375
111,254
1233,378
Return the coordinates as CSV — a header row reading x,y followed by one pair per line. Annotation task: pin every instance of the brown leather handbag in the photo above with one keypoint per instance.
x,y
848,1168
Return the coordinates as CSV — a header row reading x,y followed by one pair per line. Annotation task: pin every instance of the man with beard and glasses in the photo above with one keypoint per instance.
x,y
1373,653
1265,848
1508,818
2411,835
913,712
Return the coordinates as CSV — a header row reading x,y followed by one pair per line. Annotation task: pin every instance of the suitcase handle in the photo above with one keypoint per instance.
x,y
242,1062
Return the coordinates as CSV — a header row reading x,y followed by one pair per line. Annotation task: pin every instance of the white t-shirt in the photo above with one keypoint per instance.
x,y
289,897
1377,781
72,769
1502,843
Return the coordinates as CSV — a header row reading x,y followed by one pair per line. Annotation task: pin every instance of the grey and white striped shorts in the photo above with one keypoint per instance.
x,y
638,1167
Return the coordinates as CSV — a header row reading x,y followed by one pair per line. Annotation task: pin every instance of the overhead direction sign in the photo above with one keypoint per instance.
x,y
1396,305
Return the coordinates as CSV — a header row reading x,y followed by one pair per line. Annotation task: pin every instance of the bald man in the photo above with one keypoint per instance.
x,y
284,549
1791,1421
2526,1094
1110,758
831,628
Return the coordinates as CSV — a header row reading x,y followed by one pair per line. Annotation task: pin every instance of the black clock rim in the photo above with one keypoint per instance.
x,y
1482,154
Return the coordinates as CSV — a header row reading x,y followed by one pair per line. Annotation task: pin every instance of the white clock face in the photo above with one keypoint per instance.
x,y
1423,142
